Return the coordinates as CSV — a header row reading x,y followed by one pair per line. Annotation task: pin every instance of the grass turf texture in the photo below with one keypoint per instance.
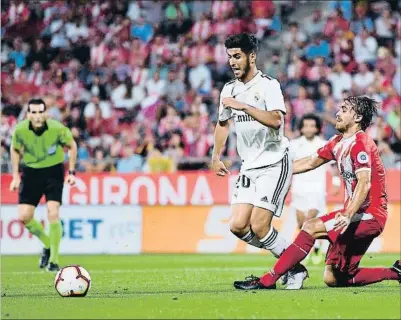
x,y
186,286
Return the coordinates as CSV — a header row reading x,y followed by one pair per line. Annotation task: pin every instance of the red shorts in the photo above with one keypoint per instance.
x,y
346,250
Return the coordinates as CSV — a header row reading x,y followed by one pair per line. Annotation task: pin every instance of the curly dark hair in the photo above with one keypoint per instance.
x,y
311,116
365,107
245,41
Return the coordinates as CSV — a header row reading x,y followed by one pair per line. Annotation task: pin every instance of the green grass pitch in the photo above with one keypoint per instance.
x,y
187,286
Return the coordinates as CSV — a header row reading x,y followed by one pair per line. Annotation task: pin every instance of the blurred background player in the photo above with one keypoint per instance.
x,y
352,229
308,190
256,104
41,141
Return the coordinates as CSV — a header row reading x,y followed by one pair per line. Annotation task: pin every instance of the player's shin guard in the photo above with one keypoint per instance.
x,y
36,228
56,232
251,239
365,276
294,254
274,242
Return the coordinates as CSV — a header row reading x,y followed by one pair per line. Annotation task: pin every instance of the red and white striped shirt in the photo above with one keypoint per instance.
x,y
220,54
201,30
193,54
139,76
220,9
98,54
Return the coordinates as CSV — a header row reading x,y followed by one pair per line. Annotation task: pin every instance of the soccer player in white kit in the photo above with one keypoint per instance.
x,y
255,103
308,190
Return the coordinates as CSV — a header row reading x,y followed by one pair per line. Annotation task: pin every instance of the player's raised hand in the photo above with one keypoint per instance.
x,y
70,179
14,185
219,168
233,104
342,222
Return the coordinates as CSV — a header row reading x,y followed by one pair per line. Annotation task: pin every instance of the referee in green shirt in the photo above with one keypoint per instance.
x,y
41,141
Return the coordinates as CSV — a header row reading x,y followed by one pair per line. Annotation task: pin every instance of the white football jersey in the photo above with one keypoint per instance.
x,y
313,181
257,145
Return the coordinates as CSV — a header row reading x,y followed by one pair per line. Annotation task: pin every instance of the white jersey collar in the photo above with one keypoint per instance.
x,y
251,82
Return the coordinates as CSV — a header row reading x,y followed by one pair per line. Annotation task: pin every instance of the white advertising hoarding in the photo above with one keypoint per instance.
x,y
86,230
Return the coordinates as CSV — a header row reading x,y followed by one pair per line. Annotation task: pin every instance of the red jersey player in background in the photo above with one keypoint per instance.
x,y
352,229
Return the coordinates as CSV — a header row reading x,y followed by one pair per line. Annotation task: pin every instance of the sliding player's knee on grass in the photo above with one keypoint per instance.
x,y
329,279
315,227
53,209
333,278
25,213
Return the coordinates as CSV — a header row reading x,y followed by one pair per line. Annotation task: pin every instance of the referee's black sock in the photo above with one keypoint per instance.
x,y
36,228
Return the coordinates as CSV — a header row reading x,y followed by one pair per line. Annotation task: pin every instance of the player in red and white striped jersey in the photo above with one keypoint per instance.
x,y
352,229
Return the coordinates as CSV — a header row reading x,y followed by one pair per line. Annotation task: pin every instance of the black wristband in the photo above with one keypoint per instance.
x,y
72,172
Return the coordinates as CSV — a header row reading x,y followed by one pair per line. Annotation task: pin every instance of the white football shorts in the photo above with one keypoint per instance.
x,y
305,201
265,187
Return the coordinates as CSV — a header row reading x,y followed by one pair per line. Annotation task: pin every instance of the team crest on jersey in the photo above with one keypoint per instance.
x,y
362,157
257,97
52,150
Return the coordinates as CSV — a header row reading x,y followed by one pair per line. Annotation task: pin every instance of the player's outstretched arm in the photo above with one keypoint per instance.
x,y
308,164
220,137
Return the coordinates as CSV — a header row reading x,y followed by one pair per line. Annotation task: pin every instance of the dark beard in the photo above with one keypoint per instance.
x,y
247,69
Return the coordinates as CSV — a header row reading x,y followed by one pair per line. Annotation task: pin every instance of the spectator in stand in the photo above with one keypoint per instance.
x,y
174,87
293,37
335,21
386,64
340,81
344,5
97,88
365,47
315,24
142,30
319,48
90,108
175,150
157,162
200,78
18,55
36,75
202,29
363,79
385,27
361,20
156,86
130,162
274,66
99,163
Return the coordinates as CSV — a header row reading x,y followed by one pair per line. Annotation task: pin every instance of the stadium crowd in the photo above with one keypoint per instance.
x,y
138,82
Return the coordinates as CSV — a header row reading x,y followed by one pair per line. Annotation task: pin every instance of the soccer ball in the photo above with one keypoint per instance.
x,y
72,281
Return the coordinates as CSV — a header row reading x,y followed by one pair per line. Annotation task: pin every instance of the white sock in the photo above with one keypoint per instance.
x,y
317,245
274,242
250,238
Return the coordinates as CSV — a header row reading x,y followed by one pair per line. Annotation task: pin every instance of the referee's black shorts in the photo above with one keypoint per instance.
x,y
38,182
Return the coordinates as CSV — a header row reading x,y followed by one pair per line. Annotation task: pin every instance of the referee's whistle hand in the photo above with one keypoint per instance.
x,y
70,179
14,185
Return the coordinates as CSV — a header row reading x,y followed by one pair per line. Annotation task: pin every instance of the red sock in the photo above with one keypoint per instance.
x,y
295,253
366,276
